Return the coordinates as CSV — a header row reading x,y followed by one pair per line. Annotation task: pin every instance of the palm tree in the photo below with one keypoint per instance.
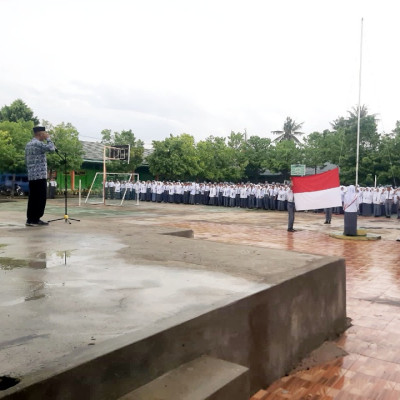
x,y
290,130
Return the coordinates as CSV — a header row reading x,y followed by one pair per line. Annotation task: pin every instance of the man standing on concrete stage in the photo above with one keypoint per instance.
x,y
36,165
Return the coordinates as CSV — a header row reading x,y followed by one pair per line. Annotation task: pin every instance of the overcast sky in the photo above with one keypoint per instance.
x,y
163,67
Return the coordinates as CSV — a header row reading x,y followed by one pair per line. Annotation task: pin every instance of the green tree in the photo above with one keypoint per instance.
x,y
13,138
17,111
174,158
66,138
387,170
321,148
123,138
290,131
283,155
368,149
258,152
237,155
214,159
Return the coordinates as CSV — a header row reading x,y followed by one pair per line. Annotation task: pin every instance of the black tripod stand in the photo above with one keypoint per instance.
x,y
65,218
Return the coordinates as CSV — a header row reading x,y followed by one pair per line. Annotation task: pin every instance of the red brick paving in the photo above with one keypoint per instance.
x,y
371,370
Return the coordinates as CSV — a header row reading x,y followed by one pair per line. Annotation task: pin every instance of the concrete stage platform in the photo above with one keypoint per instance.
x,y
102,307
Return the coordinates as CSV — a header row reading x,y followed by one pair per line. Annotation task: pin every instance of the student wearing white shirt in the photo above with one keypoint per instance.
x,y
360,193
388,201
197,195
266,197
143,190
159,192
243,196
129,190
153,191
226,195
272,192
111,186
290,208
281,199
136,190
213,195
206,193
123,189
396,200
377,202
117,189
52,187
232,196
367,202
350,207
186,193
171,192
178,193
106,190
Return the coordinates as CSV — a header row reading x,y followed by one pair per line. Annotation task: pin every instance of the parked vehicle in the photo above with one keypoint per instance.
x,y
6,179
6,190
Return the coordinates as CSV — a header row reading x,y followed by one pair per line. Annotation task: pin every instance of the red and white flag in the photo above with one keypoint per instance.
x,y
317,191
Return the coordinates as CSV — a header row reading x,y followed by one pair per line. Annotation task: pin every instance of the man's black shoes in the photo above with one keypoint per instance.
x,y
291,230
38,223
29,223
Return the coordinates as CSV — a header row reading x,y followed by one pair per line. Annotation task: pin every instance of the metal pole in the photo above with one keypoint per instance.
x,y
104,175
79,193
359,105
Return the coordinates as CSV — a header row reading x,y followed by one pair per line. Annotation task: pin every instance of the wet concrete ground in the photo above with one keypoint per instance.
x,y
371,370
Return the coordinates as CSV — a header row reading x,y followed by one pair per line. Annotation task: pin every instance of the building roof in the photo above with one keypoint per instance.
x,y
92,151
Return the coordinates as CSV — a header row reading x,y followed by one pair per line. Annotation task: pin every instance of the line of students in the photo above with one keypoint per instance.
x,y
371,201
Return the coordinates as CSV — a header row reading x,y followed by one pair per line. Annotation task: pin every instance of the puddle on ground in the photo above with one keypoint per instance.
x,y
35,292
41,261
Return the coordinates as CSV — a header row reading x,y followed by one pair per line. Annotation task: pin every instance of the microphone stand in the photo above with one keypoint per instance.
x,y
65,218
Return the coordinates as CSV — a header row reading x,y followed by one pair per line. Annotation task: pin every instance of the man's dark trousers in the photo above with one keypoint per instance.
x,y
37,200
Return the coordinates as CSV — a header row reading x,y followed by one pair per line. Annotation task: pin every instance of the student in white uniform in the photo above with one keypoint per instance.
x,y
377,202
52,187
350,208
367,202
232,196
290,208
111,186
388,201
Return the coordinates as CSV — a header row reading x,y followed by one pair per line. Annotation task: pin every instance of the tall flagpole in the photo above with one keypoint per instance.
x,y
359,104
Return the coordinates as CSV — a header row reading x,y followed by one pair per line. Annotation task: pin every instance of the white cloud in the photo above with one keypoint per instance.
x,y
203,68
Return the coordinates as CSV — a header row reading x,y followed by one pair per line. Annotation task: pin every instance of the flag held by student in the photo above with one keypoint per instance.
x,y
317,191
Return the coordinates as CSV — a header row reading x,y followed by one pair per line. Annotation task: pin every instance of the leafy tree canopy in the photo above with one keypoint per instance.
x,y
285,154
369,140
13,138
214,159
66,138
174,158
17,111
258,152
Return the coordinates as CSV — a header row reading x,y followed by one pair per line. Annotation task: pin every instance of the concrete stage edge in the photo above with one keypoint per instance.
x,y
294,303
